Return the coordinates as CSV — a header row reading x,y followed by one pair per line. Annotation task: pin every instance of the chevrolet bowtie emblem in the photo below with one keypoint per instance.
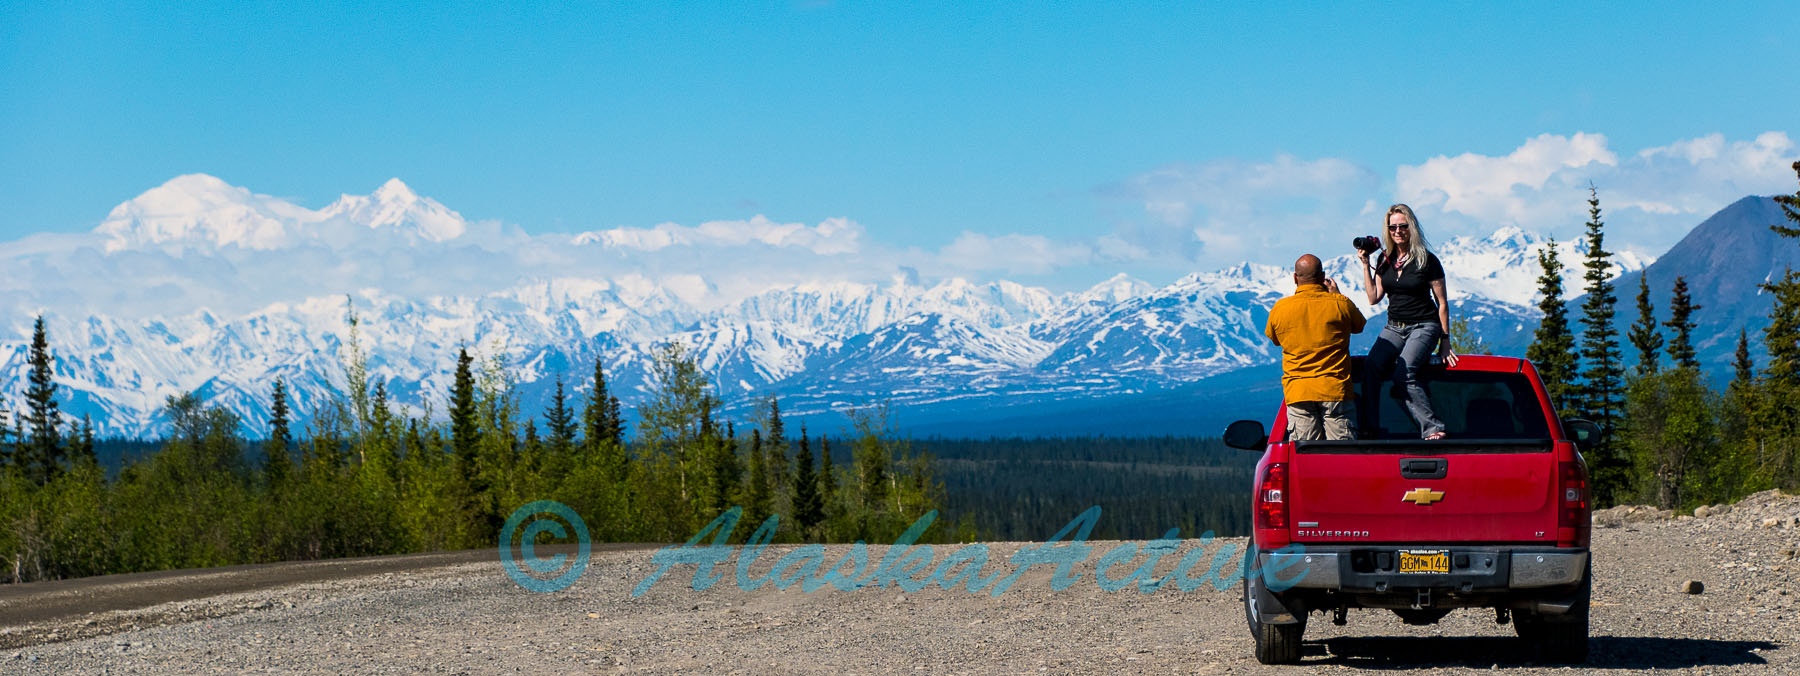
x,y
1422,496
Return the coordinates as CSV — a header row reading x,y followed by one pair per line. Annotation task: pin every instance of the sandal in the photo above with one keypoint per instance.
x,y
1435,436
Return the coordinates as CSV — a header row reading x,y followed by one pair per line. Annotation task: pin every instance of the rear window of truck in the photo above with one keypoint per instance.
x,y
1472,404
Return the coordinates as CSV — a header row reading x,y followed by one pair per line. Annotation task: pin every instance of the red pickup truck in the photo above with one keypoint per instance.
x,y
1494,516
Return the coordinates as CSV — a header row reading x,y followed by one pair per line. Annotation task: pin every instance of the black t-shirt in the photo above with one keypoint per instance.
x,y
1409,289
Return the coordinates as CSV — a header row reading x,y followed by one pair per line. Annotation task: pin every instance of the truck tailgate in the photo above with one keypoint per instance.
x,y
1387,492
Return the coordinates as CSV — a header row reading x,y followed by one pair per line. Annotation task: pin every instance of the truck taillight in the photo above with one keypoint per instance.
x,y
1572,509
1271,497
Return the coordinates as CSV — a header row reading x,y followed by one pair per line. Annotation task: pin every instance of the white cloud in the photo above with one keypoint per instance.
x,y
1011,253
1497,188
1649,198
198,242
1228,210
832,237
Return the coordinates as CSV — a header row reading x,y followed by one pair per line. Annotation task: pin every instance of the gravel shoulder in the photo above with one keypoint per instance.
x,y
466,616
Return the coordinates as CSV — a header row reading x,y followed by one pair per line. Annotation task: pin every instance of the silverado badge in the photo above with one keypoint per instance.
x,y
1422,496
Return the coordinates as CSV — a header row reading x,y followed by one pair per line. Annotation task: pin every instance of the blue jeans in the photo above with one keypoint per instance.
x,y
1413,344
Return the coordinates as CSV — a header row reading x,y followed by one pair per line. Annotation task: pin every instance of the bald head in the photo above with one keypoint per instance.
x,y
1308,270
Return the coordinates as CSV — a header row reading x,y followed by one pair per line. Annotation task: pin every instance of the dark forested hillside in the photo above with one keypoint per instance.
x,y
1027,489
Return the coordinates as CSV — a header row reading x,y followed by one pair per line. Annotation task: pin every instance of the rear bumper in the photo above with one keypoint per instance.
x,y
1474,569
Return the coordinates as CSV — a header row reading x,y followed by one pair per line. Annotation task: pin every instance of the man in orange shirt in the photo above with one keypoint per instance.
x,y
1312,328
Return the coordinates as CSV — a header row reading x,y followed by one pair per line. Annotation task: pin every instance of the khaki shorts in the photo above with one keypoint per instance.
x,y
1314,420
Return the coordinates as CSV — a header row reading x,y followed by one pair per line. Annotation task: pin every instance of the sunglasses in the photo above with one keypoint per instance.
x,y
1401,226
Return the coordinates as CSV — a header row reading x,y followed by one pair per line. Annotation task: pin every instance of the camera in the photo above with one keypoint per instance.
x,y
1367,243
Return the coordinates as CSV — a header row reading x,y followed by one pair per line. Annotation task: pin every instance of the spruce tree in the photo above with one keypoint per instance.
x,y
828,485
600,417
382,416
827,478
1600,387
1790,207
872,458
809,509
1681,310
724,473
1599,341
1644,334
1552,348
603,434
1743,373
776,448
45,421
465,428
560,419
21,442
1782,335
277,461
6,446
756,492
615,421
82,449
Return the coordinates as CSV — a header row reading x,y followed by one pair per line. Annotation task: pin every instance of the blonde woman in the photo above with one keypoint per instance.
x,y
1412,280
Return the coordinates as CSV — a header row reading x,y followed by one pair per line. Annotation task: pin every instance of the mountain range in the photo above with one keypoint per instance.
x,y
951,357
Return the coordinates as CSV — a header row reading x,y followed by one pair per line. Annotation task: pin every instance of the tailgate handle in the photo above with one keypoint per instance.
x,y
1423,468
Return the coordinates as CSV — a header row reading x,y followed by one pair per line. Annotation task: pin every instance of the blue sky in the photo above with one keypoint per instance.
x,y
930,125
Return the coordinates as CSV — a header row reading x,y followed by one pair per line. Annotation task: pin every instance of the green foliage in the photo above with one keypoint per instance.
x,y
1673,437
1782,335
1681,311
1026,489
1644,335
1790,207
1552,348
1464,339
371,481
356,367
893,486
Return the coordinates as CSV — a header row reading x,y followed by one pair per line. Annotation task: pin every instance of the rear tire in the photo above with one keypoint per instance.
x,y
1561,639
1275,643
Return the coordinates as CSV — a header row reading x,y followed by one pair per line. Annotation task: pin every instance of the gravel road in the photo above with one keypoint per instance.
x,y
464,615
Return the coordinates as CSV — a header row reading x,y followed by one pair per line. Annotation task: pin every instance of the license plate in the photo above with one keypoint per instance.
x,y
1425,561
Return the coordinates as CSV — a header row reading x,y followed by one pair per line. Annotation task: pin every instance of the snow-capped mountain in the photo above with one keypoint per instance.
x,y
819,344
197,210
1503,266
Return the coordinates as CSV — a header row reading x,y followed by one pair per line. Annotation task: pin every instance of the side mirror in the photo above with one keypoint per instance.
x,y
1247,435
1585,434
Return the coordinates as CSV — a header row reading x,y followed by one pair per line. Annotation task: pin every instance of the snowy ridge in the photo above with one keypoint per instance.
x,y
823,344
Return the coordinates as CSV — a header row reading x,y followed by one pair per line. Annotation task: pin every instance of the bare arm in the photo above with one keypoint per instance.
x,y
1371,284
1443,304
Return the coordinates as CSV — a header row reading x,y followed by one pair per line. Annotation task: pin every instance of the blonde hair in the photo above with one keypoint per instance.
x,y
1417,251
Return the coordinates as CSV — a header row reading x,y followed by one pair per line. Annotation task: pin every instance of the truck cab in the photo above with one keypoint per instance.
x,y
1496,515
